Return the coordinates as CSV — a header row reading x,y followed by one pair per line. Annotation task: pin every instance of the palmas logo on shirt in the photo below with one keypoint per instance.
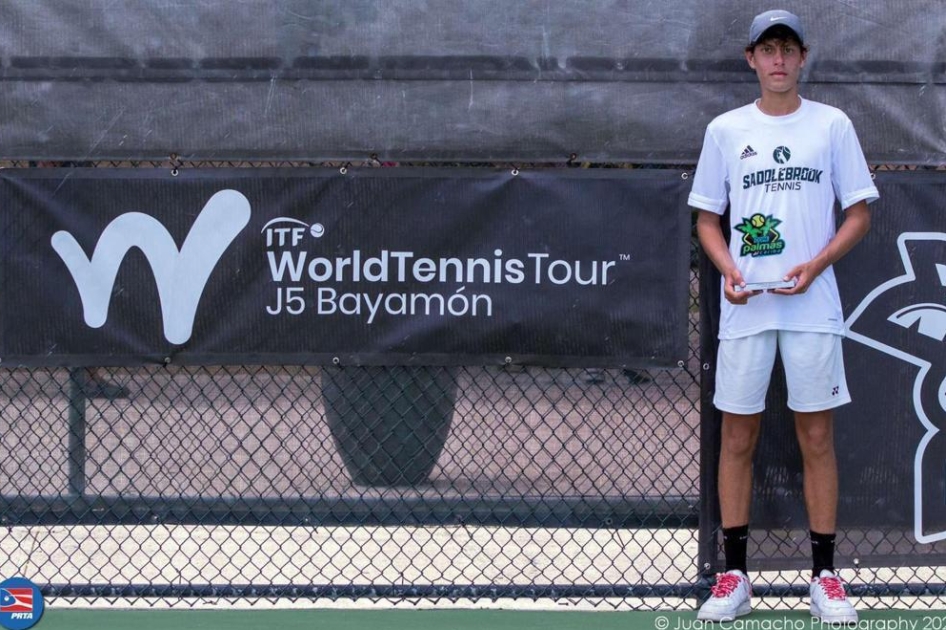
x,y
759,236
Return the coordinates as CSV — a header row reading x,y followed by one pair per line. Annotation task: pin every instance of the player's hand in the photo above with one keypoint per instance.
x,y
732,280
804,274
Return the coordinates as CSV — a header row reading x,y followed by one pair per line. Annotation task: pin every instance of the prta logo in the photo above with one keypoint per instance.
x,y
21,604
180,275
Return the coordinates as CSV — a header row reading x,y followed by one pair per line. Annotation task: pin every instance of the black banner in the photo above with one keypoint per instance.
x,y
890,449
399,266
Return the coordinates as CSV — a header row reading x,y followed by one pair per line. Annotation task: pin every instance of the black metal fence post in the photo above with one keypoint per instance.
x,y
76,446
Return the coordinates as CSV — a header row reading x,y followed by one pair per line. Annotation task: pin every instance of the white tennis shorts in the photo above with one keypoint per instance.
x,y
814,371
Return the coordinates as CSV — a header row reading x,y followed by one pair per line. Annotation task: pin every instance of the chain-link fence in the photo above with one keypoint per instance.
x,y
391,483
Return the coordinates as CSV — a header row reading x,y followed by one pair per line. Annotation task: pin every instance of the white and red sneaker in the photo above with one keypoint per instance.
x,y
829,601
730,598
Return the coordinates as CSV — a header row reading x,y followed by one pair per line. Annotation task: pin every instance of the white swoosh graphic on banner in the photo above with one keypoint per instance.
x,y
180,275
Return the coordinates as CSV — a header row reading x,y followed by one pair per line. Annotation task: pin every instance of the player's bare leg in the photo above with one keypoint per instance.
x,y
731,595
739,436
815,433
827,593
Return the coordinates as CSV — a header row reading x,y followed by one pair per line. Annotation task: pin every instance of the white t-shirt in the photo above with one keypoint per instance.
x,y
780,175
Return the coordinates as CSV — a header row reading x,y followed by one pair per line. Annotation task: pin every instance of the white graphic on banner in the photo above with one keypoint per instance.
x,y
180,275
928,319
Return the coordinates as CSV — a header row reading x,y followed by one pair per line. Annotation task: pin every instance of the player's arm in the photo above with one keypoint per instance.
x,y
710,233
855,226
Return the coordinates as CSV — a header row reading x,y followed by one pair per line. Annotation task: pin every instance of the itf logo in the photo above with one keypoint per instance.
x,y
180,275
905,317
21,604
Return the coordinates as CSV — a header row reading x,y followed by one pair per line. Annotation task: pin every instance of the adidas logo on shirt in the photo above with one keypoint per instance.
x,y
747,153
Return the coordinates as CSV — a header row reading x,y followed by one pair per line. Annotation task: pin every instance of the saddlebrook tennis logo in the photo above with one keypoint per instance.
x,y
180,275
458,287
906,318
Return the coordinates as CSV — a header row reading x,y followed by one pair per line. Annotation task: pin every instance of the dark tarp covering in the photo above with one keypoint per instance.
x,y
484,80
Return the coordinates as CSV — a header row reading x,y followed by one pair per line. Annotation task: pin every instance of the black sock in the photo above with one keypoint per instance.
x,y
822,553
735,544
